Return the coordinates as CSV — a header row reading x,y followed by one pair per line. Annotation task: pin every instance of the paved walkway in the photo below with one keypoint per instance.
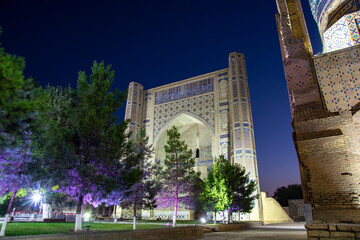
x,y
293,231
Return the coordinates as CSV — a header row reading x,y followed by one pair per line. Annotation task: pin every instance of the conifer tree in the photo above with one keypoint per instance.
x,y
142,193
243,191
178,177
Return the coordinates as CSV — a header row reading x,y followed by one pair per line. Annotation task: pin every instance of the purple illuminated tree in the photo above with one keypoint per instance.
x,y
178,177
142,194
13,176
18,105
85,149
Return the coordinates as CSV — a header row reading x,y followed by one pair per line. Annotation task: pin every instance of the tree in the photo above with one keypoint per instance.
x,y
142,194
18,106
217,192
283,194
84,149
178,177
243,190
228,187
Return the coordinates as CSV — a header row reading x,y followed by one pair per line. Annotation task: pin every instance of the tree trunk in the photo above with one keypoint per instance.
x,y
78,214
176,190
214,217
223,216
8,212
230,219
46,210
175,211
115,217
239,216
134,220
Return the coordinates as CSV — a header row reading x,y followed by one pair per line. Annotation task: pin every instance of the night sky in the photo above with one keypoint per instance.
x,y
160,42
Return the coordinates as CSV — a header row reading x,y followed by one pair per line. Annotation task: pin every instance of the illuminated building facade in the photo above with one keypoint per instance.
x,y
212,113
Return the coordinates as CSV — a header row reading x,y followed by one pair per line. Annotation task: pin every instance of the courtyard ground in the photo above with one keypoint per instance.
x,y
293,231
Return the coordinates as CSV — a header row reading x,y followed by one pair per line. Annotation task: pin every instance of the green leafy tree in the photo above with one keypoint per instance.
x,y
292,191
228,187
85,149
178,177
217,192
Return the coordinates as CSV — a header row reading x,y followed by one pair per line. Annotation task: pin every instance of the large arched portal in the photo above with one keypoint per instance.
x,y
196,133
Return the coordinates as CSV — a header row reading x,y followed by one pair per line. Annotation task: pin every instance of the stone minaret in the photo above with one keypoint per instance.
x,y
134,106
242,143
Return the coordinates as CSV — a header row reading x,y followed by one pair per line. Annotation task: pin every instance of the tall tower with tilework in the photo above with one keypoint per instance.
x,y
242,140
242,137
213,114
134,107
324,100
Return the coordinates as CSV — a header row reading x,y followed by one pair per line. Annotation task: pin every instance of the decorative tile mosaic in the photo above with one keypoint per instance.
x,y
298,74
242,89
339,78
224,119
247,138
344,33
224,104
222,74
224,149
184,91
322,9
223,89
237,138
201,106
240,68
244,112
204,162
235,90
236,112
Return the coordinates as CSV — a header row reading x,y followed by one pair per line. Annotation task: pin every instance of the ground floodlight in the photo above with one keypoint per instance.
x,y
87,216
36,197
203,220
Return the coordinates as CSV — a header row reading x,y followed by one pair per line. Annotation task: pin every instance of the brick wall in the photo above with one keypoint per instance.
x,y
333,231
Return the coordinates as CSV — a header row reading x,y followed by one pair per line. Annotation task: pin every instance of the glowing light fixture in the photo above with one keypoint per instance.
x,y
36,197
203,220
87,217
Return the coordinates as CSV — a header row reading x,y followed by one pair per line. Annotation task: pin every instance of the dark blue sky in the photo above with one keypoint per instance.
x,y
159,42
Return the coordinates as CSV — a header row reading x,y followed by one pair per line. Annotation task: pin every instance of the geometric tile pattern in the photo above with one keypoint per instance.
x,y
337,37
201,106
184,91
339,78
327,12
344,33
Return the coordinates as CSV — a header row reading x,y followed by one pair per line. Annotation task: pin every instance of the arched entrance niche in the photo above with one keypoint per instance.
x,y
196,133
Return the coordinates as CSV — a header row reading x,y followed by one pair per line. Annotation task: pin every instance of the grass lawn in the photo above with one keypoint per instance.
x,y
20,229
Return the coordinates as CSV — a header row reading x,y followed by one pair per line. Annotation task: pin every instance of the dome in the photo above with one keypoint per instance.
x,y
329,12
